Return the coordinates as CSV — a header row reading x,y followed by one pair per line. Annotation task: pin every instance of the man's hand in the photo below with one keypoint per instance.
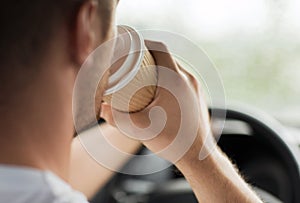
x,y
185,133
175,124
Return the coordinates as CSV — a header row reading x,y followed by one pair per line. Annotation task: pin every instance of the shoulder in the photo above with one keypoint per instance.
x,y
61,191
27,185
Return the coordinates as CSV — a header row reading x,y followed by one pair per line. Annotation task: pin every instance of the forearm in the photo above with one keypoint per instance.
x,y
86,175
215,179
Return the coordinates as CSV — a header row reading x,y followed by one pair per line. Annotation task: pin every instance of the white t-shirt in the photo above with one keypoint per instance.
x,y
27,185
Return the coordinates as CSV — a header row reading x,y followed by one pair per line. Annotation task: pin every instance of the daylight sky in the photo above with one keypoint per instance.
x,y
213,18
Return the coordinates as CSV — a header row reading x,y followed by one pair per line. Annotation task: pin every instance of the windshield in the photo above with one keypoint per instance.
x,y
254,44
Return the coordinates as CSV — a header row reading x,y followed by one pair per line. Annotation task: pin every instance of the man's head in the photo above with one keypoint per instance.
x,y
43,44
33,31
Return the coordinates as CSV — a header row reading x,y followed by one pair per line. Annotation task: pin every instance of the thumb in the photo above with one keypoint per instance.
x,y
107,114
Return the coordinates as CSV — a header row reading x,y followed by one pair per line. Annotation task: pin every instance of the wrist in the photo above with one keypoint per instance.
x,y
202,157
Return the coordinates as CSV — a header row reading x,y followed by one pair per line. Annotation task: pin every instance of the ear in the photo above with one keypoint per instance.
x,y
86,31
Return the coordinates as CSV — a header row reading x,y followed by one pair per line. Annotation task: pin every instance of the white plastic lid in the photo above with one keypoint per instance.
x,y
129,45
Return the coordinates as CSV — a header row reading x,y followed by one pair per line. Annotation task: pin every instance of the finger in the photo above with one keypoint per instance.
x,y
196,84
107,115
163,58
190,77
160,53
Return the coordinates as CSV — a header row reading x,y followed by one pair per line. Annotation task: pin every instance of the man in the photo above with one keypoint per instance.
x,y
43,45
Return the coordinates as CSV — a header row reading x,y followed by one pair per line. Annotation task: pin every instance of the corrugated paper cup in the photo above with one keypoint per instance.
x,y
133,70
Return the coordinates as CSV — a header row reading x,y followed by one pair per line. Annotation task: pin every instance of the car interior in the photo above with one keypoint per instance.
x,y
256,144
255,47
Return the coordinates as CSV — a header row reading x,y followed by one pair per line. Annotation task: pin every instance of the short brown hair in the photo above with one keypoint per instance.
x,y
26,31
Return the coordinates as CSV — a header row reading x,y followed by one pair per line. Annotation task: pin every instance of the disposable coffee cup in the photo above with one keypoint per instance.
x,y
133,69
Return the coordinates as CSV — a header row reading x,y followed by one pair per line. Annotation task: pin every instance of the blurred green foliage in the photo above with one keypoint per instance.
x,y
260,66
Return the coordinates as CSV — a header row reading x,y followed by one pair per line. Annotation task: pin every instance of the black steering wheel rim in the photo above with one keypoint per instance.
x,y
272,132
269,130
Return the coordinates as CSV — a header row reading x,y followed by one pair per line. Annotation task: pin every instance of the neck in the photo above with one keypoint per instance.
x,y
37,127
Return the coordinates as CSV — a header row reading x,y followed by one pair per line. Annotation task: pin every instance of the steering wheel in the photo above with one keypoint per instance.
x,y
252,140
